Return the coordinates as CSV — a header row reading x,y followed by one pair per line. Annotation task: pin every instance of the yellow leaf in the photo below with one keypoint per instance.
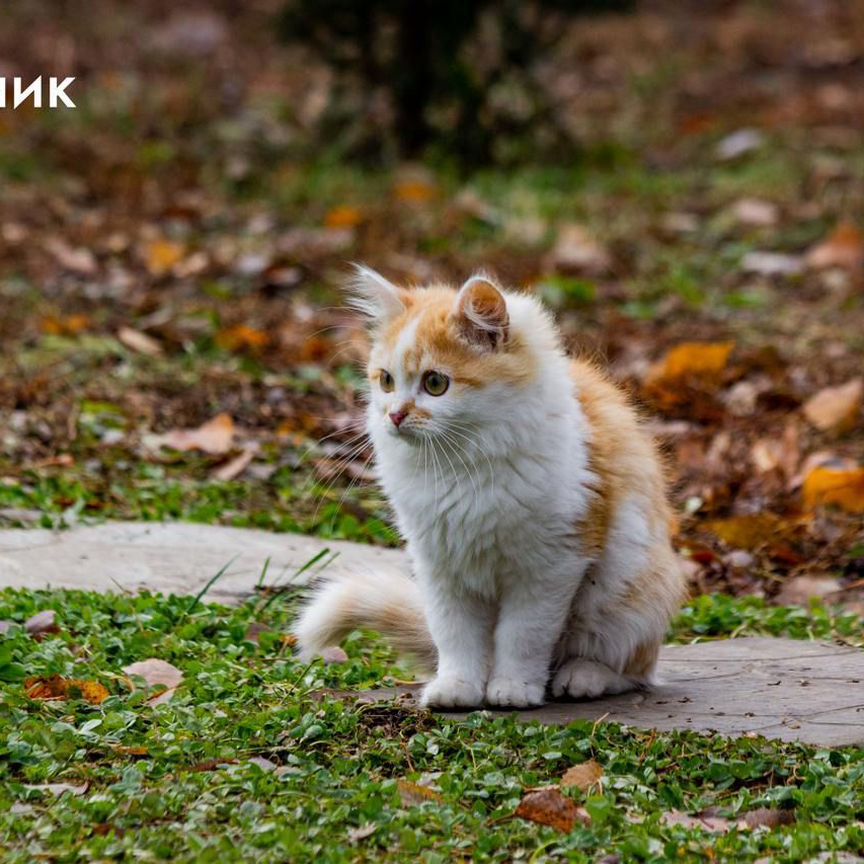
x,y
841,487
693,360
746,532
343,217
58,688
413,793
70,325
584,776
162,255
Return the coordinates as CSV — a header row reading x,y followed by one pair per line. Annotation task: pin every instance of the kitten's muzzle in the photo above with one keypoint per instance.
x,y
397,417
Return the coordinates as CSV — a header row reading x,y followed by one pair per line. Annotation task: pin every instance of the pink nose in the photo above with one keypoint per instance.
x,y
397,417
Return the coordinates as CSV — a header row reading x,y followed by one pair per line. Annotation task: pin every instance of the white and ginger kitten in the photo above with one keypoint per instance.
x,y
533,506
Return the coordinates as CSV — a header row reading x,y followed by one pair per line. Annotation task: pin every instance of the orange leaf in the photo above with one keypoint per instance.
x,y
841,487
415,191
549,807
836,407
70,325
242,337
161,255
844,247
343,217
693,360
58,688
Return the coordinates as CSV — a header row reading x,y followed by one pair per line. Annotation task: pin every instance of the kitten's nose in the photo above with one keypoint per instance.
x,y
397,417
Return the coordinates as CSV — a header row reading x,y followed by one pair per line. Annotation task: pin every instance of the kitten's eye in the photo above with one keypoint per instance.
x,y
386,380
435,383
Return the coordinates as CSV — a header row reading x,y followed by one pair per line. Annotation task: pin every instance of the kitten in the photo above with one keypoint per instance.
x,y
532,503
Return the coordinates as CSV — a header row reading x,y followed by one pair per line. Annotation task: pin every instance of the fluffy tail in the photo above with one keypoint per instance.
x,y
389,604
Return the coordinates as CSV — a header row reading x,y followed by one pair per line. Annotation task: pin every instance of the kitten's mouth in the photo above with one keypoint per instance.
x,y
406,433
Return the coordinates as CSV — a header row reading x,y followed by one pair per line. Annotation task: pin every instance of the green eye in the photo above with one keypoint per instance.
x,y
386,380
435,384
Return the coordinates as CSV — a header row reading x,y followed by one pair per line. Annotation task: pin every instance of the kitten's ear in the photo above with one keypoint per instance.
x,y
374,296
481,313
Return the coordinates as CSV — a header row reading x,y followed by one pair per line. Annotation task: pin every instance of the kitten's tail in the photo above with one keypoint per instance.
x,y
390,604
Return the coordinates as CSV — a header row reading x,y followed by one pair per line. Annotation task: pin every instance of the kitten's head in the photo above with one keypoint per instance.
x,y
444,363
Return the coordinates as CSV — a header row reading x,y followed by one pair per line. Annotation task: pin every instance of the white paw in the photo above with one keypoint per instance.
x,y
448,691
587,679
507,693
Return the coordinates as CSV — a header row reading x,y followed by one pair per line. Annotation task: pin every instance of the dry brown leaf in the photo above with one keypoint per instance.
x,y
355,835
714,824
844,247
242,338
841,487
550,807
236,466
58,688
78,260
69,325
333,656
139,342
766,817
161,255
746,532
585,776
836,408
692,360
413,793
343,217
799,590
42,623
214,437
156,672
577,251
125,750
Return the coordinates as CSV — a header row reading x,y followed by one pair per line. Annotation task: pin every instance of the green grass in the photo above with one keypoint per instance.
x,y
192,793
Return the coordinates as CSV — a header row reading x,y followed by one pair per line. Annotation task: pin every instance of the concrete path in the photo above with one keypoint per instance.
x,y
176,558
780,688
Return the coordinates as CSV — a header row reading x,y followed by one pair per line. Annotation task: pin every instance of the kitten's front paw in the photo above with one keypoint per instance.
x,y
587,679
448,691
507,693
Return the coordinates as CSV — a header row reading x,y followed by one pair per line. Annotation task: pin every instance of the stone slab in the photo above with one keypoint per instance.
x,y
178,558
780,688
786,689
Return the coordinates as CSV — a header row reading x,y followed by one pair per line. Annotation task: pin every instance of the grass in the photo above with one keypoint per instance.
x,y
178,782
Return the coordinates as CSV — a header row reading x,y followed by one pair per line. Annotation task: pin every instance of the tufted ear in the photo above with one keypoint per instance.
x,y
374,296
481,313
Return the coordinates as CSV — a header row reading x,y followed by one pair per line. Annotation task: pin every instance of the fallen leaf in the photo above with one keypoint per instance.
x,y
844,248
692,360
739,143
58,688
584,776
841,487
355,835
714,824
124,750
264,764
413,793
755,212
333,655
254,631
242,338
6,626
577,251
156,673
70,325
236,466
58,788
836,408
139,342
79,260
772,264
766,817
343,217
746,532
415,191
161,255
550,807
42,623
214,437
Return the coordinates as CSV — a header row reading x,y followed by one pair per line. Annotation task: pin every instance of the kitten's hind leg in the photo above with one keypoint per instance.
x,y
581,678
